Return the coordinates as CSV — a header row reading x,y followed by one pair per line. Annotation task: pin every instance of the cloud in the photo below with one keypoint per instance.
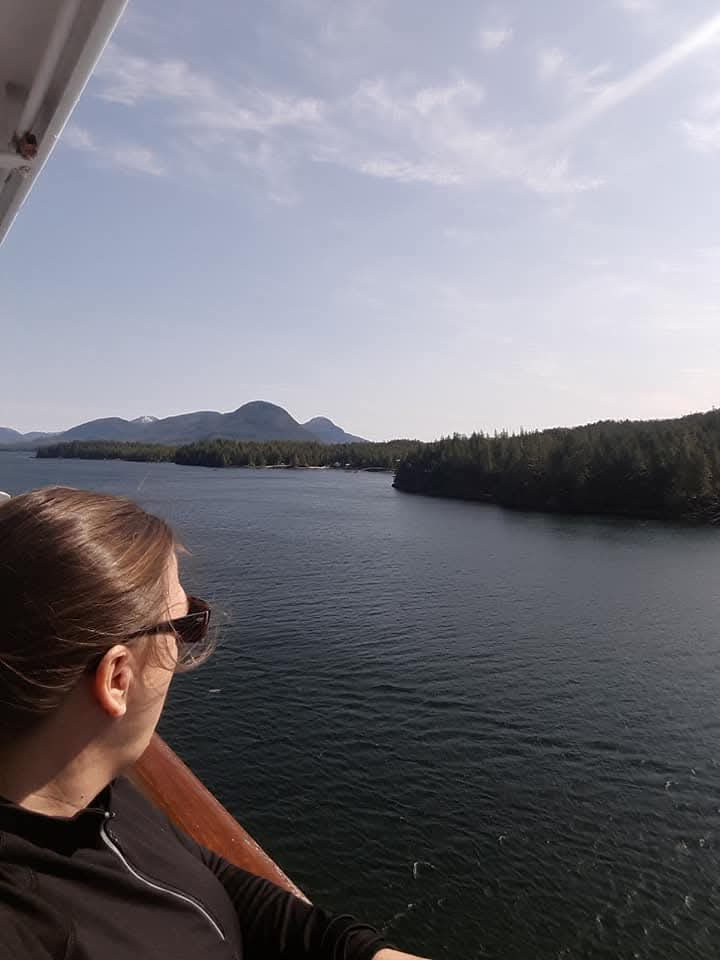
x,y
407,171
383,128
78,138
199,101
702,130
389,126
209,124
554,65
398,131
637,81
130,157
493,38
438,135
703,137
128,79
135,159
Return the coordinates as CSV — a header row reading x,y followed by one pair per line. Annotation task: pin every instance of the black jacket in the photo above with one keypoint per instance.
x,y
119,882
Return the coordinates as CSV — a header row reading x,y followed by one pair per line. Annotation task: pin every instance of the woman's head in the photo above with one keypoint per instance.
x,y
80,574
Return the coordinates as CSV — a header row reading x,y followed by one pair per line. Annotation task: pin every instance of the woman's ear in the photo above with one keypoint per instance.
x,y
112,679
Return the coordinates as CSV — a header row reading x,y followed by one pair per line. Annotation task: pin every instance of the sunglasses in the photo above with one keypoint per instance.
x,y
190,629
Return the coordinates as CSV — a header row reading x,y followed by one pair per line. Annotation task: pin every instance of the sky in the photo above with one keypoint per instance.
x,y
413,217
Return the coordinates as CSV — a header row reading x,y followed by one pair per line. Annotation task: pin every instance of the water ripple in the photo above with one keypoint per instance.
x,y
527,704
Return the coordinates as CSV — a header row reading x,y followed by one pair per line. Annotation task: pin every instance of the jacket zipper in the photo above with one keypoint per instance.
x,y
111,843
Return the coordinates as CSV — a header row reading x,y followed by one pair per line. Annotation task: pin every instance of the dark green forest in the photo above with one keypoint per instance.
x,y
240,453
108,450
660,468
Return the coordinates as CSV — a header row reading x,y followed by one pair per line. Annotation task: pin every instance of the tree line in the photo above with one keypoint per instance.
x,y
108,450
243,453
661,468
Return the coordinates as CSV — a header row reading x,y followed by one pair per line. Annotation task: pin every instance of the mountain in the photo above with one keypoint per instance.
x,y
328,432
108,428
258,420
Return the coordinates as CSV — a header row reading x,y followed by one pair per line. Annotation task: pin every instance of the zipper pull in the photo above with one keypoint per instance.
x,y
109,815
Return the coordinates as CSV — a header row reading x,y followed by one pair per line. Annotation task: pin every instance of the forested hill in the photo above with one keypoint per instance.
x,y
240,453
660,468
255,421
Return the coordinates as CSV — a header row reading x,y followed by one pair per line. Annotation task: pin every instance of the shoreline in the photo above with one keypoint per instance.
x,y
656,516
705,515
346,468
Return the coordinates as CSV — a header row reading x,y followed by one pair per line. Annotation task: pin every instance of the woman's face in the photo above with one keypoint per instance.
x,y
154,666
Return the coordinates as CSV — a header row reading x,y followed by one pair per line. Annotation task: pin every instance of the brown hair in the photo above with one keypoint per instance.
x,y
79,572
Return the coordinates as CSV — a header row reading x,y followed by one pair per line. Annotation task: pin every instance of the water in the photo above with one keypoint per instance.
x,y
491,734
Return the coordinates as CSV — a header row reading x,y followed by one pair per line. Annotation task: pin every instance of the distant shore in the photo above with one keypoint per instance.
x,y
650,470
656,469
272,455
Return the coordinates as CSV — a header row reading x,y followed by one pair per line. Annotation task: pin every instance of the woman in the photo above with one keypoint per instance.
x,y
93,624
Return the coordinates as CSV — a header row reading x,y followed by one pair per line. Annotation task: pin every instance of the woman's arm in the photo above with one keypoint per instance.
x,y
275,923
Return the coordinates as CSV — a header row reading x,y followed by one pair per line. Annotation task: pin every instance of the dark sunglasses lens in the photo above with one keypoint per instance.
x,y
195,627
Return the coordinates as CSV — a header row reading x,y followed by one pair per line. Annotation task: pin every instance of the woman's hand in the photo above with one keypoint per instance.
x,y
395,955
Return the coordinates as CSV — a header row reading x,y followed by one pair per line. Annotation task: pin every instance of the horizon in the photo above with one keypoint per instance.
x,y
348,428
489,218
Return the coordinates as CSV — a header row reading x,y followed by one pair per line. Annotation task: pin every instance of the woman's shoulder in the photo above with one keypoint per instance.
x,y
125,796
131,807
128,804
145,826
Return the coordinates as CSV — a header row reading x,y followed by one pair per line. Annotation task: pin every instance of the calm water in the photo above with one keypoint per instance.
x,y
525,708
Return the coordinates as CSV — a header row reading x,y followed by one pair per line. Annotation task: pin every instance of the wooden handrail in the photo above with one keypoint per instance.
x,y
172,786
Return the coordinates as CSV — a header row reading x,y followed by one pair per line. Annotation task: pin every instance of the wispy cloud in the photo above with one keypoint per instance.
x,y
129,157
135,159
703,137
493,38
438,135
389,127
702,128
207,124
199,100
639,80
78,138
553,64
395,131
